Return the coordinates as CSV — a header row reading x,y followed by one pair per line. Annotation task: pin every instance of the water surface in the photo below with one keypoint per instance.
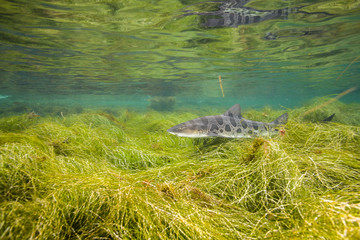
x,y
125,52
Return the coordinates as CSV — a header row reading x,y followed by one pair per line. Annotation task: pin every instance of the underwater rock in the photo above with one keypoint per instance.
x,y
18,107
78,109
162,103
112,112
59,110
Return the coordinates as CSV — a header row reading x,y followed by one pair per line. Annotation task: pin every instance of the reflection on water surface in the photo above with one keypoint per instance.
x,y
287,52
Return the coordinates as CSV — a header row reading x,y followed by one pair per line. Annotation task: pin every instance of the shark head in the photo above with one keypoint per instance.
x,y
194,128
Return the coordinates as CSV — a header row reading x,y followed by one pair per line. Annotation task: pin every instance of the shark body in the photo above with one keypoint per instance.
x,y
231,124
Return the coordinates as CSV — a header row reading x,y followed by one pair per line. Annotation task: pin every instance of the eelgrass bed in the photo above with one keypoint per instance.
x,y
120,175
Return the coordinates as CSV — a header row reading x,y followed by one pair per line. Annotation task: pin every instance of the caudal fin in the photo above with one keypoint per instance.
x,y
328,119
281,120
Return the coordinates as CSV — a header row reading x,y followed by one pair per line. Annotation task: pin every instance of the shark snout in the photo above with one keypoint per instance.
x,y
188,130
172,130
176,129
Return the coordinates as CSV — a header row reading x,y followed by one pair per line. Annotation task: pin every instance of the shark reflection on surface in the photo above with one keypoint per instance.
x,y
232,13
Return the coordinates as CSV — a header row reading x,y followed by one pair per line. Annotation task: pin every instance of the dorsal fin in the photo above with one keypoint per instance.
x,y
280,120
234,111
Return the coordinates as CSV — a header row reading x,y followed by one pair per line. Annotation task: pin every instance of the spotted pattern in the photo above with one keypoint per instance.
x,y
244,124
214,127
204,120
219,120
239,130
255,125
227,128
233,122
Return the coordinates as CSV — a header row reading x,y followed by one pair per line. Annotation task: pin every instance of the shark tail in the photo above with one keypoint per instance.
x,y
280,120
328,119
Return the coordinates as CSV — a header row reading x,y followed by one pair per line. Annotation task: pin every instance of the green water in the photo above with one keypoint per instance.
x,y
84,156
126,52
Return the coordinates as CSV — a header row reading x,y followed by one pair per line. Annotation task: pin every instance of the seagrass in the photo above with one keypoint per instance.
x,y
120,175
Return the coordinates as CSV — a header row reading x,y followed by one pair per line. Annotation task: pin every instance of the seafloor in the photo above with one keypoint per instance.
x,y
79,173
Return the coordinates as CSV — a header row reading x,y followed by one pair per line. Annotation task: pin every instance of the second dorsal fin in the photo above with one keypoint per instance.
x,y
234,111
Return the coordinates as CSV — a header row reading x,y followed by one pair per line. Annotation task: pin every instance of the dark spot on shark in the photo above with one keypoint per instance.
x,y
239,130
227,128
221,130
233,122
204,120
220,120
250,132
255,126
244,124
214,128
230,114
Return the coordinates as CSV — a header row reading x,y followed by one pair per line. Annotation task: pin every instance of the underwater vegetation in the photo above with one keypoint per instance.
x,y
118,174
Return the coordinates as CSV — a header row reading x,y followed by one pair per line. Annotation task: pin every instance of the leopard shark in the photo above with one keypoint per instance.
x,y
231,124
